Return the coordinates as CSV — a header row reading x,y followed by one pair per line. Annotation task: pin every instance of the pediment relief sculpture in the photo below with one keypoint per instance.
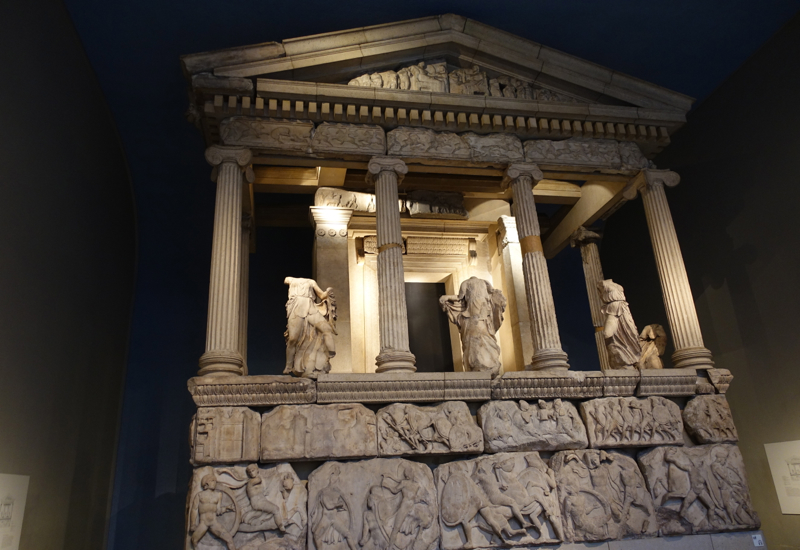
x,y
434,77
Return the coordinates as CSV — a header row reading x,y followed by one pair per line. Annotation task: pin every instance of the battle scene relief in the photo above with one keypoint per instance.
x,y
523,426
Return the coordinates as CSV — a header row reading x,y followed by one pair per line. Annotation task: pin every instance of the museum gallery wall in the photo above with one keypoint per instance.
x,y
430,168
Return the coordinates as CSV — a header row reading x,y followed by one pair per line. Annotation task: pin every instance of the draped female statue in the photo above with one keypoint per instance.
x,y
310,326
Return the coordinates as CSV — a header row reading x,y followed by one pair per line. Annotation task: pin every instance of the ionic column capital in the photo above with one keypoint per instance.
x,y
650,179
582,237
521,170
386,164
217,154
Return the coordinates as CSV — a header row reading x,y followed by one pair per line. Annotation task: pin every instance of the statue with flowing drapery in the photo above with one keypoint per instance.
x,y
310,327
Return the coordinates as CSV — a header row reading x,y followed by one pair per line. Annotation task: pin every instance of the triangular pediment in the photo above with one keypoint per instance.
x,y
451,41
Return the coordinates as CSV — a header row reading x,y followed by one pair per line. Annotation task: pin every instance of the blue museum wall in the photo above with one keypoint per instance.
x,y
735,213
67,267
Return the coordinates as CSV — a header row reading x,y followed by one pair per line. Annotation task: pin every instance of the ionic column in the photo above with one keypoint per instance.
x,y
244,289
222,356
544,326
593,272
332,270
690,352
386,172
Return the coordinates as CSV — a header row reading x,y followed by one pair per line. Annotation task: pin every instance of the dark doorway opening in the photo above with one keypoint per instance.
x,y
428,327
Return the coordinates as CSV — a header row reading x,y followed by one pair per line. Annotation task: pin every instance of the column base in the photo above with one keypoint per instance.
x,y
692,358
394,360
548,359
221,363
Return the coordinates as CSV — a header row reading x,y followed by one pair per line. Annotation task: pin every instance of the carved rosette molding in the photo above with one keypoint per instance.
x,y
222,355
386,173
255,391
544,326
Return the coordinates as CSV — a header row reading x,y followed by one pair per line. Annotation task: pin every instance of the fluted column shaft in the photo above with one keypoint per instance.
x,y
544,326
392,315
690,351
222,356
244,290
593,273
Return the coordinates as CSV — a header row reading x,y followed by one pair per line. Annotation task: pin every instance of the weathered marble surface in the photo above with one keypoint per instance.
x,y
225,435
262,390
477,311
249,508
619,328
423,203
720,378
632,422
377,504
359,139
447,428
586,152
507,499
603,496
265,133
667,382
424,143
653,341
495,148
548,385
305,432
708,419
522,426
699,489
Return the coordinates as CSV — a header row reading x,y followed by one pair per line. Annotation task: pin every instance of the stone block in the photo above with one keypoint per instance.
x,y
735,541
313,432
548,385
502,148
720,378
386,387
253,507
699,489
224,435
603,496
632,422
620,382
413,143
708,419
373,504
288,136
447,428
255,391
349,140
672,382
501,500
522,426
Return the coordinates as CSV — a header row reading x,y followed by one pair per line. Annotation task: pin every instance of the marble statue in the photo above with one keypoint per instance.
x,y
377,504
708,419
310,328
443,429
252,507
477,311
632,422
522,426
621,335
506,499
699,489
653,341
603,496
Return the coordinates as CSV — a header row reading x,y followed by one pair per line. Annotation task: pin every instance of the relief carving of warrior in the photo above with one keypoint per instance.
x,y
310,328
621,335
477,311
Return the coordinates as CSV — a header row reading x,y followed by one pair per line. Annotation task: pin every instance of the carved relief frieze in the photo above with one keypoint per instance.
x,y
632,422
523,426
246,508
708,419
603,496
495,148
439,246
361,139
378,504
422,203
225,434
699,489
307,432
447,428
265,133
602,153
501,500
424,143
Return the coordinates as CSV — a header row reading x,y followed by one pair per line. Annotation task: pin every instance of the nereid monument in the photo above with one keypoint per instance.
x,y
428,145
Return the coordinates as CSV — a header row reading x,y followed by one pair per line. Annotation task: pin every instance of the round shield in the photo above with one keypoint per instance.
x,y
458,504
